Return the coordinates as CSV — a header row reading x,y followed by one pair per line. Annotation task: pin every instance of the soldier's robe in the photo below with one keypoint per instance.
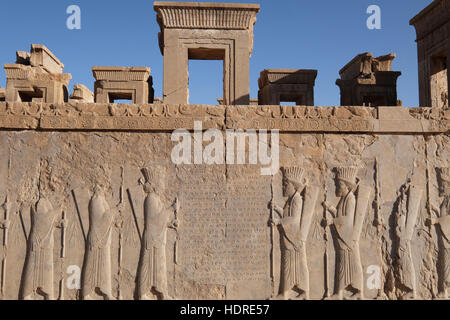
x,y
38,272
97,269
152,273
348,271
444,251
293,251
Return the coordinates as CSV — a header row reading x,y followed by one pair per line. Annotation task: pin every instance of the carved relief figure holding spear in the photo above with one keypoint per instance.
x,y
442,222
38,271
97,265
294,221
406,221
347,221
152,274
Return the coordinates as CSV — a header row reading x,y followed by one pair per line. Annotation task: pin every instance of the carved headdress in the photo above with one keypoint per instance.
x,y
294,174
154,175
148,175
347,174
444,173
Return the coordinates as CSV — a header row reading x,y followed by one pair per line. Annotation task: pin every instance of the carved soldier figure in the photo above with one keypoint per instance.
x,y
347,222
152,276
406,220
38,271
443,223
97,265
294,221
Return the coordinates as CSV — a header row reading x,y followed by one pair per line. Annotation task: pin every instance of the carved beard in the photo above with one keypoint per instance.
x,y
341,191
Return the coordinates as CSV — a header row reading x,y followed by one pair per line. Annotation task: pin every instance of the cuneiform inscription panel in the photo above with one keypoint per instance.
x,y
225,235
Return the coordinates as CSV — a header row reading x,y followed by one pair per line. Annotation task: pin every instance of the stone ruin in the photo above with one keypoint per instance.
x,y
113,83
283,85
369,81
36,77
91,194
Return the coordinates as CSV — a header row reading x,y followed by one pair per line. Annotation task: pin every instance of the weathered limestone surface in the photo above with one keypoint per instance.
x,y
81,94
96,180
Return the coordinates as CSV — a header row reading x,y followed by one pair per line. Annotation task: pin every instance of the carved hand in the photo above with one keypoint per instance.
x,y
175,224
436,209
121,207
330,208
176,205
279,210
63,224
327,222
276,208
119,222
432,221
5,224
275,221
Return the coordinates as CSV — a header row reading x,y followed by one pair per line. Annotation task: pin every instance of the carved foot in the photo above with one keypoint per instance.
x,y
336,296
442,296
282,296
146,297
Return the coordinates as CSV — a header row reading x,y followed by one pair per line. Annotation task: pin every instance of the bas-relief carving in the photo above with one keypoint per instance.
x,y
39,266
294,221
152,274
288,231
157,117
97,275
441,220
406,219
347,222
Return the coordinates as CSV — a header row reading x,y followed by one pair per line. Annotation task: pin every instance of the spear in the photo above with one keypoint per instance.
x,y
5,230
326,235
63,255
63,236
176,207
119,294
5,244
272,235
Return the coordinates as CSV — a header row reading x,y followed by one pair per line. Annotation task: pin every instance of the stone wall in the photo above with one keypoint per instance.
x,y
77,177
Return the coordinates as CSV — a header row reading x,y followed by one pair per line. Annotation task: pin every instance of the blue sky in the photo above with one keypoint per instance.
x,y
297,34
